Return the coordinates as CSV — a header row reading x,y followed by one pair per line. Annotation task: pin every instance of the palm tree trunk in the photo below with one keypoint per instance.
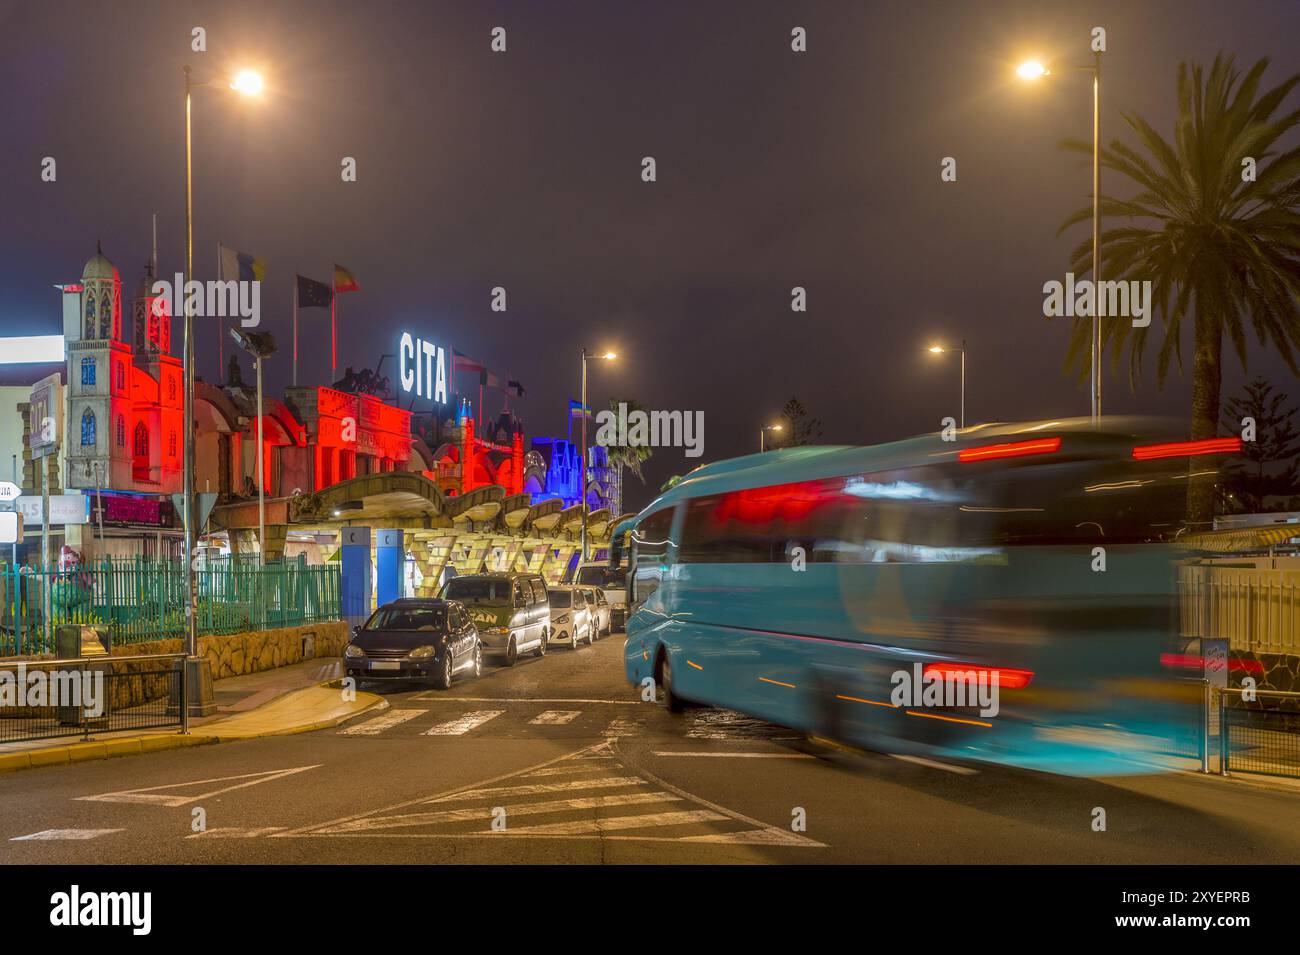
x,y
1207,381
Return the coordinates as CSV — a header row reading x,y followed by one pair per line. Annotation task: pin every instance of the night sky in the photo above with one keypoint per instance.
x,y
522,169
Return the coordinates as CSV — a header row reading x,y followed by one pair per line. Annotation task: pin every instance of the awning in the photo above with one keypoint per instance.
x,y
1240,539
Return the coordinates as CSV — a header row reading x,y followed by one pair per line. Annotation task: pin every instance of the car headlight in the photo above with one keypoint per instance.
x,y
562,618
353,651
424,652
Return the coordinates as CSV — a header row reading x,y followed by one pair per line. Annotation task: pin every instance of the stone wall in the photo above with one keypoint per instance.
x,y
231,655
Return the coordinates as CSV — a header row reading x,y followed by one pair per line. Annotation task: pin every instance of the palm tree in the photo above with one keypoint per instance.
x,y
627,456
1216,242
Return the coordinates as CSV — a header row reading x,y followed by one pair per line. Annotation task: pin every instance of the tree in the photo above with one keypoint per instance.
x,y
1255,477
671,483
1217,236
799,429
627,456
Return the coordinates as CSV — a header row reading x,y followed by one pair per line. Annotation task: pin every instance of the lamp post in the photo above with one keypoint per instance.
x,y
1032,70
260,345
940,350
607,356
762,435
250,84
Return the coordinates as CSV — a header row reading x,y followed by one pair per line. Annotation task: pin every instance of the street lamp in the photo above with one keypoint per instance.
x,y
762,435
607,356
249,84
940,350
1033,70
260,345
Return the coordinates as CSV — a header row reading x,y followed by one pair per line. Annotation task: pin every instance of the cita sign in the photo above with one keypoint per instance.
x,y
423,368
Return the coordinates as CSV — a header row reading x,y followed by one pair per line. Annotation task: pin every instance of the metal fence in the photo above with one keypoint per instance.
x,y
141,600
1256,609
1262,736
46,699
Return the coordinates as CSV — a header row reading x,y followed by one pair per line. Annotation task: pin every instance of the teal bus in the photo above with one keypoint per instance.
x,y
870,594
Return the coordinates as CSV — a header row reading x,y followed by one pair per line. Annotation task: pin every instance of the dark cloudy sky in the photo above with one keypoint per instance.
x,y
522,170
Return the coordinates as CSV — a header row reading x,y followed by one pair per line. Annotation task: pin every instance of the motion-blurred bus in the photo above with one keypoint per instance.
x,y
805,586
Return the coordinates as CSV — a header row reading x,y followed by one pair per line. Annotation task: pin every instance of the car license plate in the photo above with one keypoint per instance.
x,y
385,665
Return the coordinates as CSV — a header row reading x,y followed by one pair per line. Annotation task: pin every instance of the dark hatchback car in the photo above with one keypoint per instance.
x,y
415,639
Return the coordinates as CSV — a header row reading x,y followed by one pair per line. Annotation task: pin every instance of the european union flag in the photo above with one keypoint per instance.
x,y
313,294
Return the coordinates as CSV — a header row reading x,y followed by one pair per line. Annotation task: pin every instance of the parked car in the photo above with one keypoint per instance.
x,y
415,639
571,621
613,583
600,611
509,609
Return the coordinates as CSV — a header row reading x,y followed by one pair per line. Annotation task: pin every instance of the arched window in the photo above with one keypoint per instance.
x,y
171,387
141,440
121,432
90,318
171,443
121,377
87,429
105,318
88,372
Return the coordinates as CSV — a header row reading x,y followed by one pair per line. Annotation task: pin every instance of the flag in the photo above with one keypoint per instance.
x,y
241,266
313,294
462,362
515,387
345,281
577,411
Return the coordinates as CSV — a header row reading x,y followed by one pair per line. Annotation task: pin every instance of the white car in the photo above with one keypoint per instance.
x,y
612,582
571,620
600,610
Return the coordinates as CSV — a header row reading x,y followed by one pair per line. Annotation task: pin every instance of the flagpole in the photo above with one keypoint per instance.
x,y
295,331
334,328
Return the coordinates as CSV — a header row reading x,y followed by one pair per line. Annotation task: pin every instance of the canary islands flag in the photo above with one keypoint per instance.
x,y
241,266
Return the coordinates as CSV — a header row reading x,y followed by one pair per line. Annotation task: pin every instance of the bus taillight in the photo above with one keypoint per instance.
x,y
1186,449
1003,677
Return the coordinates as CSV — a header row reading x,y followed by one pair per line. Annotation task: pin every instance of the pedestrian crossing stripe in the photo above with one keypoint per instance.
x,y
588,794
555,717
461,726
373,727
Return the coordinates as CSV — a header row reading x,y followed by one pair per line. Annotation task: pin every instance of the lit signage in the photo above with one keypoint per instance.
x,y
423,368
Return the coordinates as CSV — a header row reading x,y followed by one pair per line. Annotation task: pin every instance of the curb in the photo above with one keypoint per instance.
x,y
157,742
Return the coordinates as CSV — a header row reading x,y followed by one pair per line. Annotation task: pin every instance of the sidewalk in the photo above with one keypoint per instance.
x,y
293,699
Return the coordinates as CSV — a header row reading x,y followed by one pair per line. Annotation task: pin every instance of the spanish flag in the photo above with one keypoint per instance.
x,y
345,281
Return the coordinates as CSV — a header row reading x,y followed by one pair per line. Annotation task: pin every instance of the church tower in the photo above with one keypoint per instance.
x,y
164,416
97,436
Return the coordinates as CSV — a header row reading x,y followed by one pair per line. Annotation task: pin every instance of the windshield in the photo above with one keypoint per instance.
x,y
561,598
432,619
477,591
602,577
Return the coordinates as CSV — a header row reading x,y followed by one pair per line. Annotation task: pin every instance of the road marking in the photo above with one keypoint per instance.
x,y
151,795
935,764
484,815
463,725
555,717
49,835
740,755
374,727
444,698
616,823
236,832
574,785
621,727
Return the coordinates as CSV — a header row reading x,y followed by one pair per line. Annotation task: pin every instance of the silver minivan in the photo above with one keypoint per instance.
x,y
511,611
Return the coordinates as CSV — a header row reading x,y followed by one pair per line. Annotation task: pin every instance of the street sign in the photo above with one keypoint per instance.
x,y
1214,653
64,509
9,491
203,502
11,528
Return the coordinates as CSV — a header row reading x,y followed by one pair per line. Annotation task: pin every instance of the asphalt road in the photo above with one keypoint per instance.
x,y
567,763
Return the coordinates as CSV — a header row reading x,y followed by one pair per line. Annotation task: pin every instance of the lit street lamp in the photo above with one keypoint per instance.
x,y
1033,70
607,356
249,84
940,350
762,435
260,345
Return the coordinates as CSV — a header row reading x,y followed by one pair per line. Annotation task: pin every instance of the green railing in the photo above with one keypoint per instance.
x,y
141,600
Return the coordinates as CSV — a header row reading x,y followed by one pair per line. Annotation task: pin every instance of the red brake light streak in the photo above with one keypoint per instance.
x,y
1014,449
1186,449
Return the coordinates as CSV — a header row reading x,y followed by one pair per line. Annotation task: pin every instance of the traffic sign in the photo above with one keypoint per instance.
x,y
9,491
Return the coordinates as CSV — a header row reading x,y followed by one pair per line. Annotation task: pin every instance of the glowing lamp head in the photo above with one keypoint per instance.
x,y
1032,70
936,349
778,427
609,356
247,82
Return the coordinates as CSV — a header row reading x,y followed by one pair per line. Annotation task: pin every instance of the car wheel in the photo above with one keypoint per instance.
x,y
541,647
478,660
674,702
512,652
446,675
